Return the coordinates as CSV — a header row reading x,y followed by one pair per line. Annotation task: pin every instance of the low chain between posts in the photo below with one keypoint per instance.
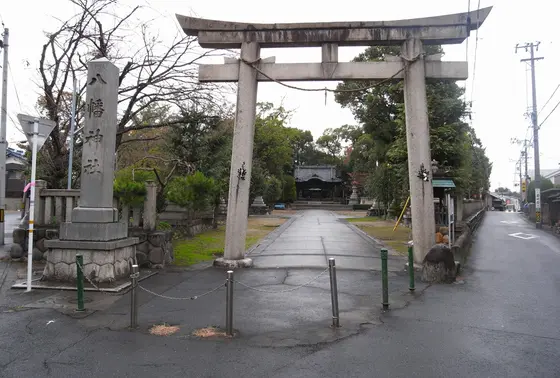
x,y
119,294
136,275
192,298
283,291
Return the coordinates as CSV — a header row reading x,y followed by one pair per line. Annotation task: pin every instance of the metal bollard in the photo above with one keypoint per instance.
x,y
334,293
80,283
385,278
229,303
134,297
411,266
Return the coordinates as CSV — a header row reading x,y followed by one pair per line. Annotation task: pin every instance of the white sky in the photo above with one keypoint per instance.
x,y
500,86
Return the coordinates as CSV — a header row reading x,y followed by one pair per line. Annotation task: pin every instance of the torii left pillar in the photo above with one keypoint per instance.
x,y
241,162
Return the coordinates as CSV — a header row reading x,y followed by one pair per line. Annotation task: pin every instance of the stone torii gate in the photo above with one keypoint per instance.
x,y
411,66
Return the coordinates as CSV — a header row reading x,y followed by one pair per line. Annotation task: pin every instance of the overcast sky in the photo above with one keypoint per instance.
x,y
500,92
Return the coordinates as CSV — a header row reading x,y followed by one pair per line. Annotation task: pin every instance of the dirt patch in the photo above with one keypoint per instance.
x,y
209,332
163,330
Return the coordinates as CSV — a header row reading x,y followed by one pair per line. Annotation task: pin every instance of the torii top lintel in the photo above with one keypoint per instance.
x,y
438,30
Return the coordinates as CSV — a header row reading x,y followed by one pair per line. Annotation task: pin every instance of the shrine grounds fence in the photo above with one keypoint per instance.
x,y
228,284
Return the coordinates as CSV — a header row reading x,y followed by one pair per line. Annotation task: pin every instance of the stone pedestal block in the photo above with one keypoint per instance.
x,y
104,262
93,231
94,215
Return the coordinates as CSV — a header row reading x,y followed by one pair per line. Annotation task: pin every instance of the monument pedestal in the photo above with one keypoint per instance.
x,y
93,231
104,261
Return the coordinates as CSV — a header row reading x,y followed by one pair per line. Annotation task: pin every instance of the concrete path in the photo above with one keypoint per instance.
x,y
311,237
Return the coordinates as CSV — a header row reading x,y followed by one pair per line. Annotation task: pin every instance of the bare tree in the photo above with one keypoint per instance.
x,y
153,71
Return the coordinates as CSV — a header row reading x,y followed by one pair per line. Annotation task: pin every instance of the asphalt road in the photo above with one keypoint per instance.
x,y
502,322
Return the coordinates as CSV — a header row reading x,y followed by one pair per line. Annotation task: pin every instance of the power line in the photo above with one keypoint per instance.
x,y
549,114
550,98
14,84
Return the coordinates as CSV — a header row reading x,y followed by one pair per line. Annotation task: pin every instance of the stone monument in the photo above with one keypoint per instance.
x,y
354,199
258,207
95,231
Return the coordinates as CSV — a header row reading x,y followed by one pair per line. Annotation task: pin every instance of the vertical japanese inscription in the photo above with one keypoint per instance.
x,y
99,137
92,166
95,108
94,136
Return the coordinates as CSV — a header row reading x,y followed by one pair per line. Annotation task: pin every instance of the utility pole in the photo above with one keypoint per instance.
x,y
524,156
531,48
3,125
520,178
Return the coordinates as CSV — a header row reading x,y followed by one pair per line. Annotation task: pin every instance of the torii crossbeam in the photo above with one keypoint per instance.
x,y
411,66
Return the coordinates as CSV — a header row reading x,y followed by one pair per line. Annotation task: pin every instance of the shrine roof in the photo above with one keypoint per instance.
x,y
326,173
445,29
443,183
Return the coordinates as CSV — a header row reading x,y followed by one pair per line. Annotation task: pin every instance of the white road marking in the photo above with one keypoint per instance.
x,y
510,222
523,236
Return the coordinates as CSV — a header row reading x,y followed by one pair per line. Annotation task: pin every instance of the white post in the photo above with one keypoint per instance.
x,y
3,142
241,160
32,205
72,132
419,155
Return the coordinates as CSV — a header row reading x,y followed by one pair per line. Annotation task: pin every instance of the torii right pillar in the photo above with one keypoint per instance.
x,y
418,144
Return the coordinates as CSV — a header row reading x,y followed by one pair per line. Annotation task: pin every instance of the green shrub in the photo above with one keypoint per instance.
x,y
163,226
273,190
289,193
129,193
195,192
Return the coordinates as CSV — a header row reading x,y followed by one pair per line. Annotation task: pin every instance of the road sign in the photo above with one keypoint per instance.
x,y
45,128
37,131
524,186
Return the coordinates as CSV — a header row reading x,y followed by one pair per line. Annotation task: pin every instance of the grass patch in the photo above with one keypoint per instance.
x,y
210,244
364,219
382,230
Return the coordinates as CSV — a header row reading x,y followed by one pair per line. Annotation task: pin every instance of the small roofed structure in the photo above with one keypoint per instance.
x,y
317,182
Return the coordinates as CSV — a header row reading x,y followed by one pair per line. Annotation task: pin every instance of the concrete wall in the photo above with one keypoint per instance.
x,y
13,204
471,207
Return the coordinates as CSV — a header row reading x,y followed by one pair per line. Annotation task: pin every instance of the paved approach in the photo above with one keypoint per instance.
x,y
311,237
502,322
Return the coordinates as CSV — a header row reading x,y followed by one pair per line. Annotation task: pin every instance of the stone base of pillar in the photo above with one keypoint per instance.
x,y
233,264
104,262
